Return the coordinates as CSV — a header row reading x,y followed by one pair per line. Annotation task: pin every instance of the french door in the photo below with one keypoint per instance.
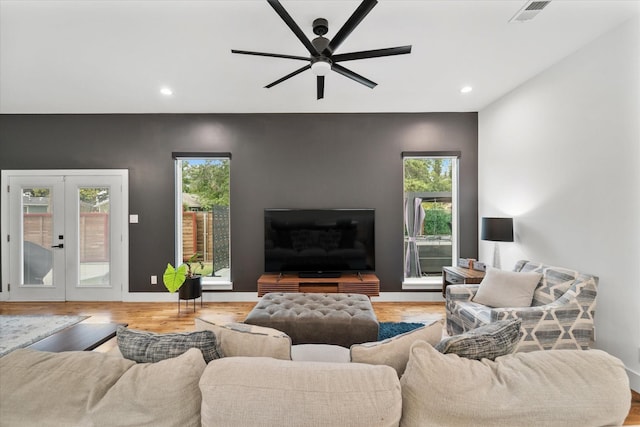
x,y
65,235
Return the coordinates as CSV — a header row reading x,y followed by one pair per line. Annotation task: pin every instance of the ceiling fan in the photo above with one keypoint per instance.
x,y
321,50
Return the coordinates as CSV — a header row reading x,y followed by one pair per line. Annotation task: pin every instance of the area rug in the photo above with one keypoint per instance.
x,y
21,331
391,329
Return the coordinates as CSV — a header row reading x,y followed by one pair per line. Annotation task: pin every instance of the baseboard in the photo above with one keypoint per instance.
x,y
253,296
206,297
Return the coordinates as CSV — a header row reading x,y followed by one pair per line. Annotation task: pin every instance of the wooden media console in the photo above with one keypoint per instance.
x,y
366,284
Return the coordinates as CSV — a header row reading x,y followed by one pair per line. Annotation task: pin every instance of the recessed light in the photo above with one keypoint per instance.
x,y
166,91
466,89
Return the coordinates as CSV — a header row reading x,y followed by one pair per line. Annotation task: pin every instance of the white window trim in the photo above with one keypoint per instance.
x,y
435,282
208,283
426,283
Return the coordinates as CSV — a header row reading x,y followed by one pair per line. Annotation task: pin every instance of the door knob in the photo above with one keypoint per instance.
x,y
61,245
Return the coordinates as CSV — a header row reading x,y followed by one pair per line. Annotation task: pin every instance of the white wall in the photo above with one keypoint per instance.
x,y
561,154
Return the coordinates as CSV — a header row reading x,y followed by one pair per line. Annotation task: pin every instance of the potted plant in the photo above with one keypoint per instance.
x,y
184,278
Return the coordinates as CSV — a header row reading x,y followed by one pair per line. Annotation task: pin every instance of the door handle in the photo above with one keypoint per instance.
x,y
61,245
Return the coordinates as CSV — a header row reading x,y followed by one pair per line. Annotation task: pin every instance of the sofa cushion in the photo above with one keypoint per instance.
x,y
541,388
246,391
490,341
240,339
320,353
89,388
394,351
507,288
149,347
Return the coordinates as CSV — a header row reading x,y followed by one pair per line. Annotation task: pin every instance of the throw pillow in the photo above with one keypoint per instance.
x,y
394,351
144,347
553,388
485,342
507,288
241,339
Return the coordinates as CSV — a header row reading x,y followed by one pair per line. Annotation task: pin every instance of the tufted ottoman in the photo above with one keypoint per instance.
x,y
314,318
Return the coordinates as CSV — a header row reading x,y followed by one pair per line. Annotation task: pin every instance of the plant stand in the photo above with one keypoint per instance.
x,y
190,290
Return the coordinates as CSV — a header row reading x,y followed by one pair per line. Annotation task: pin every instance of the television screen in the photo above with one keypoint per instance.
x,y
319,240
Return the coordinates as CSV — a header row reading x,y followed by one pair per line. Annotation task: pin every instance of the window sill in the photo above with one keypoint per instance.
x,y
217,285
427,283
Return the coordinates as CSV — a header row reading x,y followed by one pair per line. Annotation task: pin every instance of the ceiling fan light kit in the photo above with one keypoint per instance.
x,y
321,59
321,67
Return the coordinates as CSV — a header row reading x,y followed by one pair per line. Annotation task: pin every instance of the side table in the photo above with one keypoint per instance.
x,y
459,275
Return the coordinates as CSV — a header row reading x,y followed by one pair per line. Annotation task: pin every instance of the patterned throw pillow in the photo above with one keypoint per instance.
x,y
149,347
486,342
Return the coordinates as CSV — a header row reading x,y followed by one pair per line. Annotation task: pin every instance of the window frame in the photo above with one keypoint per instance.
x,y
434,282
208,282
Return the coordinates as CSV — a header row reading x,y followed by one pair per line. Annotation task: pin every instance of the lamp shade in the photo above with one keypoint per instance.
x,y
497,229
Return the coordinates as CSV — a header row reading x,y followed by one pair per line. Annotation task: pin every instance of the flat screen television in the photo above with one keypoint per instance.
x,y
319,242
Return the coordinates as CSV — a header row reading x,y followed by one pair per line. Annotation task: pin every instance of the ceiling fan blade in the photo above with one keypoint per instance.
x,y
288,76
275,4
376,53
320,83
274,55
353,21
353,76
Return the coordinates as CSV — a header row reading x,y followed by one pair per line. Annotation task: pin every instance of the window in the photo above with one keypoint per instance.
x,y
430,218
202,203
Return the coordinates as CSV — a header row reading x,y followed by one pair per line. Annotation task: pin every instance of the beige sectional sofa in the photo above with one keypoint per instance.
x,y
419,387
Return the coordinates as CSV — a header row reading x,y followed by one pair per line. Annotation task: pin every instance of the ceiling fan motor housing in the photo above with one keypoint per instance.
x,y
320,26
320,44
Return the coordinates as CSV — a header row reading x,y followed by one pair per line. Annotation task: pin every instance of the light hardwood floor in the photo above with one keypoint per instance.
x,y
164,317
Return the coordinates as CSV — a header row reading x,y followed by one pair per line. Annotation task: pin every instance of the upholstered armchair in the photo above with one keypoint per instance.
x,y
560,316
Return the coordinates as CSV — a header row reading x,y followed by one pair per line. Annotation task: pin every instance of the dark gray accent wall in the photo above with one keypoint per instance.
x,y
278,161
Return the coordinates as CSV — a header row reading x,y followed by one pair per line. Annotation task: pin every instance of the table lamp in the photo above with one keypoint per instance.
x,y
497,230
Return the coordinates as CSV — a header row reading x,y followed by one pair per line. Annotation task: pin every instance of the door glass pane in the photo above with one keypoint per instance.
x,y
93,234
37,225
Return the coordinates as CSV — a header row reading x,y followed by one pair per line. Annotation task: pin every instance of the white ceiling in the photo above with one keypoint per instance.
x,y
113,56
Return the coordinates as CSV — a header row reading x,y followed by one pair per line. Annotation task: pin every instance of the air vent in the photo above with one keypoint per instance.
x,y
529,11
